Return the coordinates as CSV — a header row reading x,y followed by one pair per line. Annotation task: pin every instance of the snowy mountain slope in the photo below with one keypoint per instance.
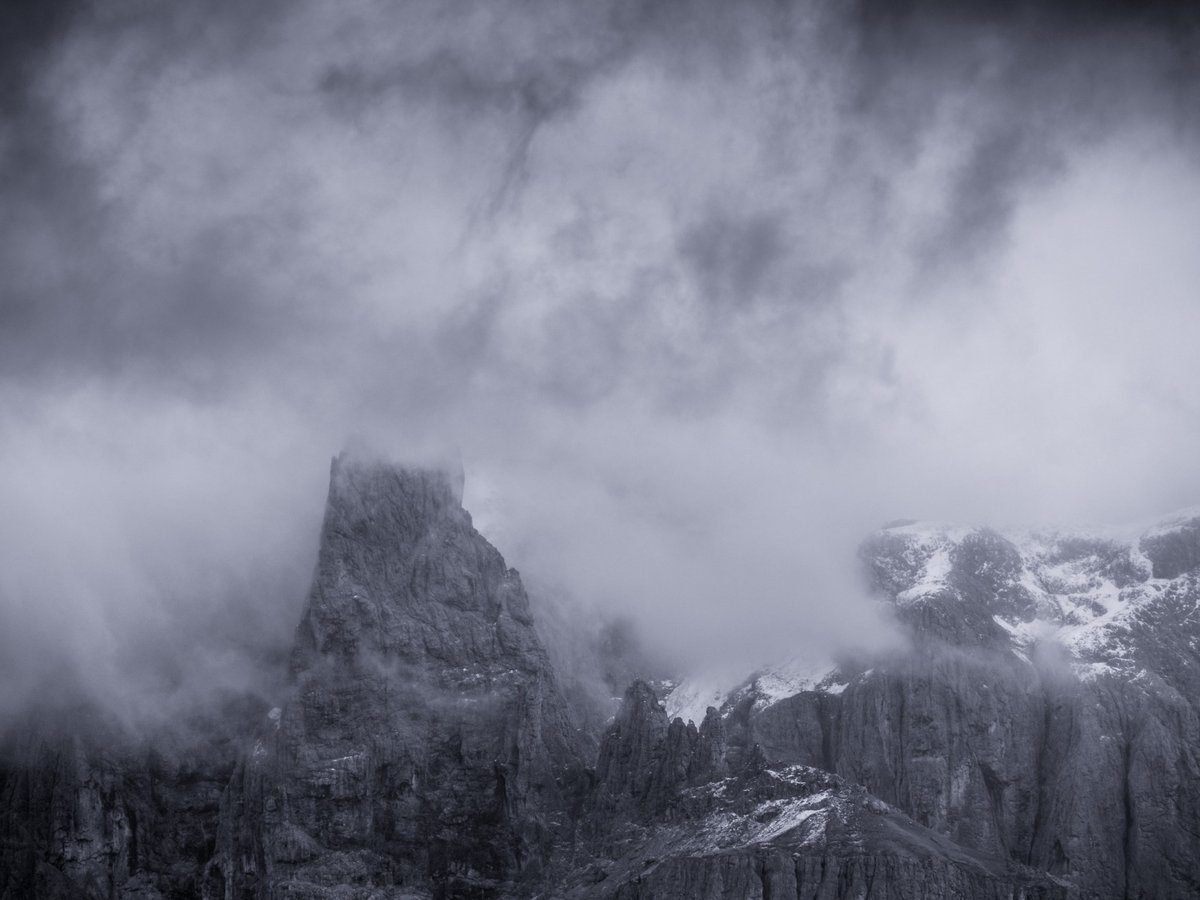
x,y
1088,592
1037,736
1078,588
1045,710
690,698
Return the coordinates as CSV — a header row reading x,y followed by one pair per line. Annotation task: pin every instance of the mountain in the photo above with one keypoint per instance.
x,y
678,813
1044,711
425,742
1036,737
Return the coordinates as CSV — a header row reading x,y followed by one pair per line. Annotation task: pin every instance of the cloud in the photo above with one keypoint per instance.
x,y
703,291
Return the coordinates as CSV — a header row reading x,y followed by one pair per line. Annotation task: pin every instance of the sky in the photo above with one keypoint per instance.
x,y
703,292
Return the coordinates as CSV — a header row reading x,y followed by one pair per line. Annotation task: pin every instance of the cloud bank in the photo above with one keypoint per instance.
x,y
703,292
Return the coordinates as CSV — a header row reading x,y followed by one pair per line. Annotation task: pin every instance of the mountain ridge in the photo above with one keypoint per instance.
x,y
425,749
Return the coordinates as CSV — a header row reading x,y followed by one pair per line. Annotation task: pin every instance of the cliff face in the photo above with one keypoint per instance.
x,y
423,749
90,812
1046,712
673,817
425,745
1038,738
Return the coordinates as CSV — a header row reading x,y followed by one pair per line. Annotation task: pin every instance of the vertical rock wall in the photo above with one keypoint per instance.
x,y
425,744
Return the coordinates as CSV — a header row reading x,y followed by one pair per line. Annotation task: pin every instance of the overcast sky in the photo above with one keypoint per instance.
x,y
703,291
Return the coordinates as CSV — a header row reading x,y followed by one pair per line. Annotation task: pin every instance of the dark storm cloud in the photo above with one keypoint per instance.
x,y
73,304
36,181
1044,71
1073,15
26,30
733,258
984,194
192,326
703,290
198,313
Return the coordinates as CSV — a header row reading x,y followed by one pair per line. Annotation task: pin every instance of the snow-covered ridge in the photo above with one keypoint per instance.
x,y
1080,588
690,699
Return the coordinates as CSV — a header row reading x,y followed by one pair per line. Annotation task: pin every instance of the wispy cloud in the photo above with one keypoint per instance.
x,y
702,290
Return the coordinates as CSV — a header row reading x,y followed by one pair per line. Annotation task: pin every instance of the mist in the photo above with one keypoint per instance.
x,y
703,292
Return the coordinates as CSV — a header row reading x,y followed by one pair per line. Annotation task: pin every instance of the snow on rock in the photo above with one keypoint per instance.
x,y
690,699
1082,586
801,819
799,674
1078,587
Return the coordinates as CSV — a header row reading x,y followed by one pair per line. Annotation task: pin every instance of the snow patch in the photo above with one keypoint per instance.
x,y
690,699
787,815
1173,522
798,674
1079,579
935,546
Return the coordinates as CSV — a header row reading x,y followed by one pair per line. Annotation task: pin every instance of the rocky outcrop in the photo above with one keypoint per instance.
x,y
1038,737
762,832
89,811
1173,550
1046,711
645,761
425,745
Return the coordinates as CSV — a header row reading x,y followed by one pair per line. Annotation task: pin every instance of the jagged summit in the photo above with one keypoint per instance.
x,y
1128,532
424,749
1086,590
403,574
1090,594
1043,710
426,744
357,467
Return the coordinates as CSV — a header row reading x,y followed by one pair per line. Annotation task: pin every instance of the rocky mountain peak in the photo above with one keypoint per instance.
x,y
633,746
424,748
426,742
358,477
1090,592
1173,546
403,577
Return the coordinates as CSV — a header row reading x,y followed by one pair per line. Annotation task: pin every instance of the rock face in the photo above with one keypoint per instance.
x,y
1066,735
89,812
1039,737
645,760
425,746
1046,711
670,819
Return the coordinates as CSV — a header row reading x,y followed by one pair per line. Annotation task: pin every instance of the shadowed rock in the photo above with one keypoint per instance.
x,y
423,749
425,745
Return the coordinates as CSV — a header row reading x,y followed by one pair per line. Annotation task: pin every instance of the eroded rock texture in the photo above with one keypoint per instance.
x,y
669,825
1038,737
1046,711
90,812
425,746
